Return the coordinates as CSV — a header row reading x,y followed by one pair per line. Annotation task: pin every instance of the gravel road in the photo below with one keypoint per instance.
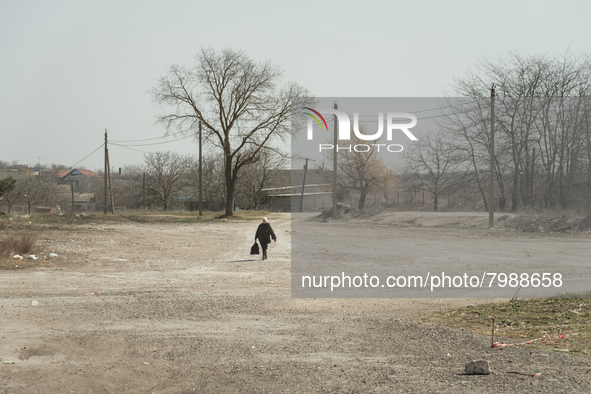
x,y
183,308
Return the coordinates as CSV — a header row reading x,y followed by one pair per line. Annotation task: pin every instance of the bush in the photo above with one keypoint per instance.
x,y
26,243
14,244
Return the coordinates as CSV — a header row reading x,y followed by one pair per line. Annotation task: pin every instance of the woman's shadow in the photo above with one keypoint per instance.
x,y
242,261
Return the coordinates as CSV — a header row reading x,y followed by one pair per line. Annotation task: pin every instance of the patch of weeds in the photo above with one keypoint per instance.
x,y
527,319
555,221
22,244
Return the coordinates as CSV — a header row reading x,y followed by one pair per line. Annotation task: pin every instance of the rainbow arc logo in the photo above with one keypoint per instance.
x,y
315,118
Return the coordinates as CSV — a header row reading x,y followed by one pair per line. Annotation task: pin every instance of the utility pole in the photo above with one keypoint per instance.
x,y
73,203
110,185
531,192
144,191
334,164
200,172
106,167
303,186
491,197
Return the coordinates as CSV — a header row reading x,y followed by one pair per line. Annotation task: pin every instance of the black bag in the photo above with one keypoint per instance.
x,y
254,249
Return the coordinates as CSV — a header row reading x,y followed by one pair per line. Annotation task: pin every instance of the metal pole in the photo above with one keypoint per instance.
x,y
334,165
105,186
491,197
200,172
303,185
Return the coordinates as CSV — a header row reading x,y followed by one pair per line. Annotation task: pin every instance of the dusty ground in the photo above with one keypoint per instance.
x,y
183,308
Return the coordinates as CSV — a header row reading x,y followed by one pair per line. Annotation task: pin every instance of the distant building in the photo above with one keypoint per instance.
x,y
74,176
50,210
20,174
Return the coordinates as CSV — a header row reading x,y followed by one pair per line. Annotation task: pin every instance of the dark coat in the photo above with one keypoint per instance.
x,y
265,233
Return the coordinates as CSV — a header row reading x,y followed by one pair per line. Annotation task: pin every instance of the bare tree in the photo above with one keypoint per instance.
x,y
542,106
31,192
255,177
438,165
238,101
164,175
11,198
362,171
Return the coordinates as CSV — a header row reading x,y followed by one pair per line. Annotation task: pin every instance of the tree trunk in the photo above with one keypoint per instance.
x,y
364,190
230,183
362,198
435,200
514,194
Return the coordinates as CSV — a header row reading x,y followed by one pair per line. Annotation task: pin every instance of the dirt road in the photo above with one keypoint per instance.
x,y
183,308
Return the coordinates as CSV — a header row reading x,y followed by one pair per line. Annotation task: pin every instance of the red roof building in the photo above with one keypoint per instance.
x,y
73,176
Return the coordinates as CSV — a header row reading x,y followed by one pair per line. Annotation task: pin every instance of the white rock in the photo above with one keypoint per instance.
x,y
478,367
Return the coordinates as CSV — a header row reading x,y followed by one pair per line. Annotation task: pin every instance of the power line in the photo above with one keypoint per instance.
x,y
149,139
54,176
155,143
101,145
126,147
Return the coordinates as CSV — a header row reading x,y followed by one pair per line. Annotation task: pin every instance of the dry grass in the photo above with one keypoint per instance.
x,y
523,320
26,243
22,244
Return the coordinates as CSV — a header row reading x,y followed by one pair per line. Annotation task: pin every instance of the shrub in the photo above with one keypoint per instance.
x,y
15,244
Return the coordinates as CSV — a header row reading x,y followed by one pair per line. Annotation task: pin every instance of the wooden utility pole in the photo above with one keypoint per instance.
x,y
303,186
334,164
531,191
144,191
110,184
200,172
491,196
106,167
73,203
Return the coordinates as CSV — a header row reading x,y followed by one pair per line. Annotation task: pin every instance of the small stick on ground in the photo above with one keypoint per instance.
x,y
492,335
515,296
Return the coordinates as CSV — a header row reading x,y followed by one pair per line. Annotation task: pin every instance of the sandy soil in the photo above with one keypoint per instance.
x,y
184,308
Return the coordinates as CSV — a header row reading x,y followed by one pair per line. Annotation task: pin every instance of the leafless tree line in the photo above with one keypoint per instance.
x,y
542,135
168,180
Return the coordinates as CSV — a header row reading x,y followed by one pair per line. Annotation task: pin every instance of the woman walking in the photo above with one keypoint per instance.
x,y
264,234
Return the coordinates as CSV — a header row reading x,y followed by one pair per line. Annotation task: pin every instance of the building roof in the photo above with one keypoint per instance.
x,y
86,173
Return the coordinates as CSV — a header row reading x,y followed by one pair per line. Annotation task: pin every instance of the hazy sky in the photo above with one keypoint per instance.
x,y
70,69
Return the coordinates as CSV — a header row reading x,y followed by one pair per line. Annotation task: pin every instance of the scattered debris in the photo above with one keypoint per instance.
x,y
95,293
33,257
548,337
17,257
533,375
52,255
34,303
477,367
